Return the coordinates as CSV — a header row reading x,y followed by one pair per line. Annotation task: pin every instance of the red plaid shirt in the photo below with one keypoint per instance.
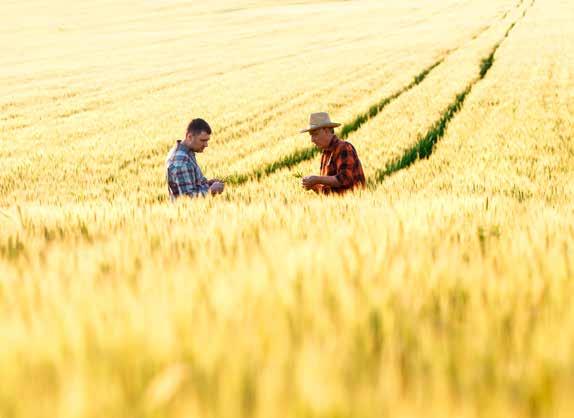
x,y
341,160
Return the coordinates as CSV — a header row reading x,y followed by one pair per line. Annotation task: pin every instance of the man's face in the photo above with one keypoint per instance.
x,y
198,142
321,137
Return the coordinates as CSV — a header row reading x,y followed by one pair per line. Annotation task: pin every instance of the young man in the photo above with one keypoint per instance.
x,y
183,175
341,168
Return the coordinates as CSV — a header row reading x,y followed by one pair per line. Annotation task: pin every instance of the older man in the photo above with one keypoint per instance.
x,y
341,168
183,175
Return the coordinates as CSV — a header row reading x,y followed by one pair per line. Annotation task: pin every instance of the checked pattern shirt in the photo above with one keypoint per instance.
x,y
341,160
183,175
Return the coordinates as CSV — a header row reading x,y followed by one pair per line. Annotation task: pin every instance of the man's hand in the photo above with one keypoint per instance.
x,y
320,183
210,182
310,182
216,187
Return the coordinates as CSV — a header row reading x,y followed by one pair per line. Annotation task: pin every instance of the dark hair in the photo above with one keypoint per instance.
x,y
197,126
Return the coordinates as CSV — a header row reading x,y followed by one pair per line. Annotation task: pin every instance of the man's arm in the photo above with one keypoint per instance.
x,y
345,161
320,184
329,181
187,182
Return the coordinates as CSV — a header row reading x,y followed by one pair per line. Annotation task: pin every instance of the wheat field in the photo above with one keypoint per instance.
x,y
442,289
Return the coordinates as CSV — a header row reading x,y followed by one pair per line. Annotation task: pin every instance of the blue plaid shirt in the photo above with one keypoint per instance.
x,y
183,175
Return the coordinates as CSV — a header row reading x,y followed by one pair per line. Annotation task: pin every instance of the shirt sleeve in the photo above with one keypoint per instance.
x,y
187,182
345,162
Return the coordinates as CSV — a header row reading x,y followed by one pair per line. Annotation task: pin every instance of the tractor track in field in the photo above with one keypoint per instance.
x,y
424,147
298,156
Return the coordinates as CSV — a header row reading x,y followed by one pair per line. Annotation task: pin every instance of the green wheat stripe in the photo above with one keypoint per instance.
x,y
425,145
308,153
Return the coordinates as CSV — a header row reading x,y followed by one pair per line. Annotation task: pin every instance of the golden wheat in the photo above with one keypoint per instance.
x,y
443,289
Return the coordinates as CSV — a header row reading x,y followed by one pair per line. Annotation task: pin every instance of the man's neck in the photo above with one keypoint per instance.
x,y
185,146
332,143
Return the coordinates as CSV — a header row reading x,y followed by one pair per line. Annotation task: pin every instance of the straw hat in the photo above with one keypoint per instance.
x,y
320,120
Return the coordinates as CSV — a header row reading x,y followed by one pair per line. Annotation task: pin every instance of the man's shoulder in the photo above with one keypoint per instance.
x,y
178,156
346,144
345,147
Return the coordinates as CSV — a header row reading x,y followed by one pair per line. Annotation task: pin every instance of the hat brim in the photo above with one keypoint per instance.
x,y
325,125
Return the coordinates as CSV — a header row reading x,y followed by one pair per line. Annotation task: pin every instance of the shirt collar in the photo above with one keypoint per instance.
x,y
182,146
333,143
